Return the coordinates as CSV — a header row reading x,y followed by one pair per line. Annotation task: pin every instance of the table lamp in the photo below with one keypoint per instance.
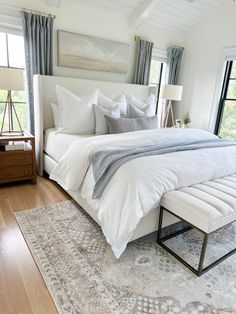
x,y
11,80
171,93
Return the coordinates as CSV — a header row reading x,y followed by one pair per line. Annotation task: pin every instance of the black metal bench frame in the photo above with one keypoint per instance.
x,y
200,269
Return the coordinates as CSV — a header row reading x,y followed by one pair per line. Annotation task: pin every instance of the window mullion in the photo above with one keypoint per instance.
x,y
8,63
159,87
226,83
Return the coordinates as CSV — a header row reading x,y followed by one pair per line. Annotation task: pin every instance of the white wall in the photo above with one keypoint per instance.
x,y
202,63
77,16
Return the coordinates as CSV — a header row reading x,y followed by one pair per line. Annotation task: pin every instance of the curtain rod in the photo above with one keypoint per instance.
x,y
26,10
137,37
176,46
40,13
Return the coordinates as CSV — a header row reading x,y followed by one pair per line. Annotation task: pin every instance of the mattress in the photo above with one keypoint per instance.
x,y
56,144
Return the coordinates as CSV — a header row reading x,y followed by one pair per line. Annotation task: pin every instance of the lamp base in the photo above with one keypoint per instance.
x,y
9,111
168,112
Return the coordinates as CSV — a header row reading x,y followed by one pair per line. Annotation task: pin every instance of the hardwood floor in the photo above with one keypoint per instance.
x,y
22,289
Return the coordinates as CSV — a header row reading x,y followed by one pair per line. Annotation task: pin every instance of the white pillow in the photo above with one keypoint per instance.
x,y
122,100
100,121
151,101
76,113
108,103
134,112
55,114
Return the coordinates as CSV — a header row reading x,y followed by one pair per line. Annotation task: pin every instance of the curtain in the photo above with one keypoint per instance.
x,y
38,37
143,62
174,59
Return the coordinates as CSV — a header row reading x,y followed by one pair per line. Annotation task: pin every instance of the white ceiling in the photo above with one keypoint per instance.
x,y
177,15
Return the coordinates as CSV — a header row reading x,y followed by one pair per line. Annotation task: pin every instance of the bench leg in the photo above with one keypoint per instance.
x,y
160,224
172,235
200,270
161,240
203,253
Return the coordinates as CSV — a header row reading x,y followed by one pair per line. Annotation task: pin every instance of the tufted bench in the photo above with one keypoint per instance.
x,y
207,207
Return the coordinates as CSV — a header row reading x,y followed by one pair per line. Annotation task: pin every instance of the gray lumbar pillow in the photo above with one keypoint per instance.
x,y
123,125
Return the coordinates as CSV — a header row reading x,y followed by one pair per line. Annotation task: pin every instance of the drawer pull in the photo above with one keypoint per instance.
x,y
26,171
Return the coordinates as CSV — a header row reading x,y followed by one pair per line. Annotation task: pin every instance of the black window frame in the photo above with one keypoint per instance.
x,y
8,66
2,102
159,86
151,84
7,48
223,96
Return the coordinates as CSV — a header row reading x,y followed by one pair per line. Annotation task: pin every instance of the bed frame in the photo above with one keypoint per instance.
x,y
44,94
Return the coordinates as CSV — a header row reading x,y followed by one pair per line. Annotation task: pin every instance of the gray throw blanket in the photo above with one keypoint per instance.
x,y
106,162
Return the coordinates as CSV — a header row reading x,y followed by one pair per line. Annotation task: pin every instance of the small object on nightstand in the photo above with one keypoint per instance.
x,y
186,120
178,123
17,158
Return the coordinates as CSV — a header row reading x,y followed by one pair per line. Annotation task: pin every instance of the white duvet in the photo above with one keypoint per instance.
x,y
138,185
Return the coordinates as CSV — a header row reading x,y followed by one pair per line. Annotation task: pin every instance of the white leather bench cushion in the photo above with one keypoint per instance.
x,y
208,206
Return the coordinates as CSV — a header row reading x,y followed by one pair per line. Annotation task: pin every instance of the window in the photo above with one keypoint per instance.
x,y
226,119
155,79
12,55
12,51
155,73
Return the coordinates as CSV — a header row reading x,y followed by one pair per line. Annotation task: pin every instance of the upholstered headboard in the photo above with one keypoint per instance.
x,y
44,94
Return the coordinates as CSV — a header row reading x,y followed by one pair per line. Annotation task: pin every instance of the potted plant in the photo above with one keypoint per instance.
x,y
186,120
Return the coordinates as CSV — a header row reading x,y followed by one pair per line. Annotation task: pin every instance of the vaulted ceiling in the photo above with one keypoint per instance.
x,y
176,15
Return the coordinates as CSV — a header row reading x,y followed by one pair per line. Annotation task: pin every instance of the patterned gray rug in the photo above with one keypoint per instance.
x,y
83,276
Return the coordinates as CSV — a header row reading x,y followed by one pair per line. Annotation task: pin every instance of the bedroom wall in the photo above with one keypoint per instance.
x,y
202,64
77,16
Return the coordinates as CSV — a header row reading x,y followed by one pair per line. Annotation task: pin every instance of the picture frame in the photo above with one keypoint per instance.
x,y
178,123
91,53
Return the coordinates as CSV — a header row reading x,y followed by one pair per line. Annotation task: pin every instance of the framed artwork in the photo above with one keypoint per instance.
x,y
178,123
87,52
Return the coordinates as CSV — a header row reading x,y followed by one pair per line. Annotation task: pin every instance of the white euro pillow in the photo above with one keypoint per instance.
x,y
134,112
149,101
75,112
101,126
107,103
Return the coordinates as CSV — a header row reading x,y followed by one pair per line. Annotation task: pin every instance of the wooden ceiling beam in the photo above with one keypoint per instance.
x,y
143,12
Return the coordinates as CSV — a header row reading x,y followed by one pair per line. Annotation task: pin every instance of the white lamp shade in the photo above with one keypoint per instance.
x,y
11,79
172,92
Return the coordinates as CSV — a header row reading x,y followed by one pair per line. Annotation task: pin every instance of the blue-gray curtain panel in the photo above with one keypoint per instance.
x,y
38,37
174,58
143,62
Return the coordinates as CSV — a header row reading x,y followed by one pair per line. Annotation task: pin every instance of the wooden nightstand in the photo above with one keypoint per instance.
x,y
17,165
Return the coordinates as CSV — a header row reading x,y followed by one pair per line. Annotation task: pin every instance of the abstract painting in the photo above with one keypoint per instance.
x,y
87,52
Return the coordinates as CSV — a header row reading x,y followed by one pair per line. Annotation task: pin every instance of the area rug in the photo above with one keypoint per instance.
x,y
83,276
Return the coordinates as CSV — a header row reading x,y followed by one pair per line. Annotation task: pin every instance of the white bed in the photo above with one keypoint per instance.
x,y
49,152
127,206
56,144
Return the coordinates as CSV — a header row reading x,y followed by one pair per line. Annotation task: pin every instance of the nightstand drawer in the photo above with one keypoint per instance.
x,y
12,158
15,172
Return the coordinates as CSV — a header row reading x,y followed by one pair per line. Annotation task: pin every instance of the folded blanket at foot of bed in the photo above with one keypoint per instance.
x,y
106,162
